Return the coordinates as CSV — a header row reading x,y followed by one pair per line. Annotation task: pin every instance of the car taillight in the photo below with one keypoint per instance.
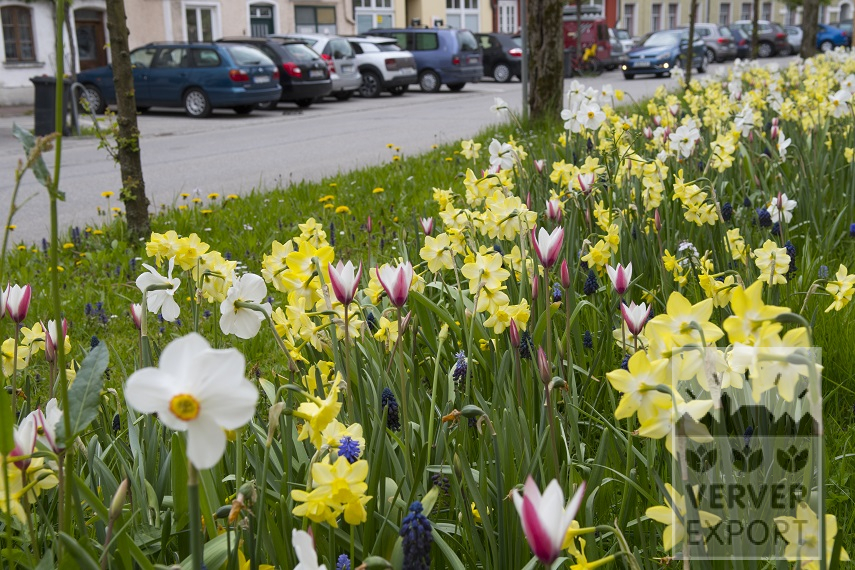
x,y
238,75
515,52
275,74
292,69
722,40
780,36
743,42
391,64
330,62
455,60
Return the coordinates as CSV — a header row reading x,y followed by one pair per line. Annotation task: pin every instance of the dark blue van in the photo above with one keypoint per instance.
x,y
443,56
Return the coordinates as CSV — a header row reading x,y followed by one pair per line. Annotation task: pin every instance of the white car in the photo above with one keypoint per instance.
x,y
795,35
384,66
340,58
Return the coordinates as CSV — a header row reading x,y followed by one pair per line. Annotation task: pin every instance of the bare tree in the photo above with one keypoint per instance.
x,y
545,49
755,43
810,26
128,134
693,15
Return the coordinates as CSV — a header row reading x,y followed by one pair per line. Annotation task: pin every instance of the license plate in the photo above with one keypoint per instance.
x,y
408,70
473,60
316,74
261,79
346,68
641,64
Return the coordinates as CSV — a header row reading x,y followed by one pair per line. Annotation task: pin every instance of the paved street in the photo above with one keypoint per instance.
x,y
233,154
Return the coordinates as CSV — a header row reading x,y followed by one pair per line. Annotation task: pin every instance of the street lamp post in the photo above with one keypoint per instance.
x,y
524,66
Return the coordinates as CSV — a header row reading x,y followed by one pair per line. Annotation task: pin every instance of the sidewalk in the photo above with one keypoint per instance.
x,y
16,111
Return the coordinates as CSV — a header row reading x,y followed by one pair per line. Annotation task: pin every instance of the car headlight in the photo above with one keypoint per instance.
x,y
666,65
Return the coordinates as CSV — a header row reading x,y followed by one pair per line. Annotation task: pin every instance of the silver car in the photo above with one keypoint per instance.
x,y
719,41
341,59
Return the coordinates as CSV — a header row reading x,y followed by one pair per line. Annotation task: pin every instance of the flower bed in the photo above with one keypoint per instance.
x,y
599,315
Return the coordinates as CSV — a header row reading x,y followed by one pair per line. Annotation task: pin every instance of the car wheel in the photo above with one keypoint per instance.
x,y
143,110
95,100
703,66
629,76
429,81
304,103
244,109
267,105
343,95
372,85
711,55
826,46
611,67
765,50
501,73
196,103
398,90
456,86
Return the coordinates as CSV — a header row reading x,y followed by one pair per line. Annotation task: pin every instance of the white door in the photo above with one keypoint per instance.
x,y
508,17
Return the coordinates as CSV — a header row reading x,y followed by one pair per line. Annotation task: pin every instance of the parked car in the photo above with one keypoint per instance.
x,y
502,56
384,66
845,26
771,37
625,39
742,41
618,51
594,32
340,58
443,56
719,41
663,51
829,37
795,35
197,76
304,75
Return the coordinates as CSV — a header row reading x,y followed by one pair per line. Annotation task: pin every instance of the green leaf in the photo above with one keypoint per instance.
x,y
7,424
429,500
216,552
82,559
28,141
85,393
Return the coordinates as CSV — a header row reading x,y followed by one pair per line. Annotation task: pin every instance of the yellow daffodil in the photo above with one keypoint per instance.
x,y
673,514
318,414
841,289
638,385
803,537
773,262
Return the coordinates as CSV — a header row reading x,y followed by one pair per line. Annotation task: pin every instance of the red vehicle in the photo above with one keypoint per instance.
x,y
594,32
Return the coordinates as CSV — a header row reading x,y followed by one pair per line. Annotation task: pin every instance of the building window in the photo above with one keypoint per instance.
x,y
315,19
844,12
766,11
655,17
508,23
261,20
724,14
462,14
747,9
373,14
202,23
629,18
18,33
673,17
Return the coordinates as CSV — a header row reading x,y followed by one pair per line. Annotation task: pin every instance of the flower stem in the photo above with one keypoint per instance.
x,y
15,373
196,548
260,515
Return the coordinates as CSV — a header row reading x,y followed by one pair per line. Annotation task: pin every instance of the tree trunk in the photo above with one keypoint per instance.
x,y
810,20
130,163
755,15
578,53
546,46
72,44
693,13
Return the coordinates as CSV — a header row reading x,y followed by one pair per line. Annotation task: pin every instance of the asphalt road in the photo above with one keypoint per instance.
x,y
229,154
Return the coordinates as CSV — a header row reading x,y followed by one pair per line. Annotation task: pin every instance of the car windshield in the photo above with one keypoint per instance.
x,y
622,34
391,46
245,55
300,53
663,39
467,41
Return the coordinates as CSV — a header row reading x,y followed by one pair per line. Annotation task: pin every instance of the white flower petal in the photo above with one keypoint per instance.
x,y
206,442
149,390
180,358
232,409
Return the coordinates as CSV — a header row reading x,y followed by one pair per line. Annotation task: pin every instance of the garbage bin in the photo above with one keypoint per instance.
x,y
45,105
568,62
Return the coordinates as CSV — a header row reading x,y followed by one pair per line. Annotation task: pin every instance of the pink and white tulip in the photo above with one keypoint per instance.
x,y
344,281
620,276
24,437
586,182
52,338
565,275
396,281
427,226
539,165
545,518
635,316
548,245
17,301
553,210
136,315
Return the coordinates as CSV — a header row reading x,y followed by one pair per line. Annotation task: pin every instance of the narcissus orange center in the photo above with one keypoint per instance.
x,y
185,407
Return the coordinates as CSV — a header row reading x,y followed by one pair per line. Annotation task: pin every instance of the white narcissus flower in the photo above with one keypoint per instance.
x,y
570,122
545,519
241,321
782,207
502,155
304,547
840,103
783,144
590,116
683,140
500,107
196,389
161,300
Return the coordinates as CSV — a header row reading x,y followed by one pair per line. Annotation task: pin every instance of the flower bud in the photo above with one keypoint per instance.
x,y
118,501
657,220
535,287
539,165
443,332
543,366
368,225
514,333
427,226
136,314
657,120
565,275
528,200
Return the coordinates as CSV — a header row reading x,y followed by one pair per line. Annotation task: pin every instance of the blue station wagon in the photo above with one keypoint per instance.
x,y
197,76
443,56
